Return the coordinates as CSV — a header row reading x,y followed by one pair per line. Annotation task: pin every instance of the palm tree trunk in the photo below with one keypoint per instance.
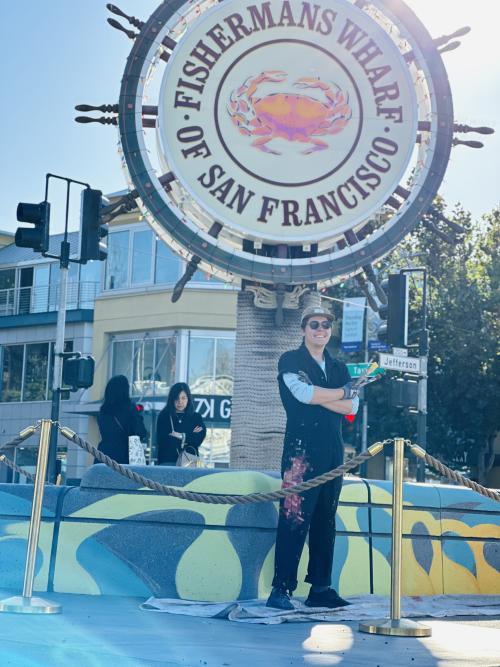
x,y
257,416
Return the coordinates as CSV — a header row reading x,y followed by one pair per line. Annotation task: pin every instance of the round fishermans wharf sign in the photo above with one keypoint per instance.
x,y
286,122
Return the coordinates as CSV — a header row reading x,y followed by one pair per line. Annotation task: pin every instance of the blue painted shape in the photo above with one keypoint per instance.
x,y
422,548
383,546
150,548
459,497
339,557
381,520
252,547
362,519
112,575
13,562
258,515
16,500
421,495
491,553
459,552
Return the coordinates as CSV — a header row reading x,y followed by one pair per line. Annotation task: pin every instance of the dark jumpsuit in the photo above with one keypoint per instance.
x,y
313,445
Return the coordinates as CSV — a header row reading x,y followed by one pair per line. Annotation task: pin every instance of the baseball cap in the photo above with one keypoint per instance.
x,y
315,310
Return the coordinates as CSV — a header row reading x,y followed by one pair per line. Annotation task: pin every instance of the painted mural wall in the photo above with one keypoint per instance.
x,y
109,537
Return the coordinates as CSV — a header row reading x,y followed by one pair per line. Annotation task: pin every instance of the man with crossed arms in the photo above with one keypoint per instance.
x,y
316,392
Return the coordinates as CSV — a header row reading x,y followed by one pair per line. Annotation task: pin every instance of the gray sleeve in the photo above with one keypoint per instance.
x,y
302,391
355,405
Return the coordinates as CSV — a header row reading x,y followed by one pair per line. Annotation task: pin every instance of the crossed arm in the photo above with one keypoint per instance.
x,y
330,399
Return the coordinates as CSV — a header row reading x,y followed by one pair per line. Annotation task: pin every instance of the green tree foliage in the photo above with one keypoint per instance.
x,y
462,311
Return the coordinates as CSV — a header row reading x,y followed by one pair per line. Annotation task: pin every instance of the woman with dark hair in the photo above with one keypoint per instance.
x,y
179,426
118,418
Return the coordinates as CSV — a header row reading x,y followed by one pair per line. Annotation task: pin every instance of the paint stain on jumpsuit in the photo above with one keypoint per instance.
x,y
294,474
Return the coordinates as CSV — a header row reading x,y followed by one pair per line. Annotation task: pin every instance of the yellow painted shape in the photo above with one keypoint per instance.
x,y
354,493
410,518
209,569
381,574
460,580
355,576
414,579
20,530
485,530
69,575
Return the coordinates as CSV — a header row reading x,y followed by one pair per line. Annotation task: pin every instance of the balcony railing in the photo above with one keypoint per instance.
x,y
45,299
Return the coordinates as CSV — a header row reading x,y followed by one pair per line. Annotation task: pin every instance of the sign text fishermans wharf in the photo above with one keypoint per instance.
x,y
287,120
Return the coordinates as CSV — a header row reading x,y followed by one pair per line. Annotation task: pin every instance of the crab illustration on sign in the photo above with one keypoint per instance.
x,y
292,117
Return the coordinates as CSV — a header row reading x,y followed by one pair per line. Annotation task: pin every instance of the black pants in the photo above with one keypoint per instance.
x,y
314,512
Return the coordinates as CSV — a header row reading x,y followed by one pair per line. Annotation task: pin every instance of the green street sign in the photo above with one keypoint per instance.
x,y
356,370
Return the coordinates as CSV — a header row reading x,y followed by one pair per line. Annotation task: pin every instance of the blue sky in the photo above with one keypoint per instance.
x,y
59,53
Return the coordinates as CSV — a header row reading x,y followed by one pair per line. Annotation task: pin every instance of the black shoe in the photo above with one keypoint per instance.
x,y
279,599
329,598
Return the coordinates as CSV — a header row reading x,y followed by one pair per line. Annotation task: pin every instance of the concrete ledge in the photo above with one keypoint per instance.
x,y
109,536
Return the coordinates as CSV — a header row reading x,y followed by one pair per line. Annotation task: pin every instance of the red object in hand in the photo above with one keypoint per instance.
x,y
139,407
350,418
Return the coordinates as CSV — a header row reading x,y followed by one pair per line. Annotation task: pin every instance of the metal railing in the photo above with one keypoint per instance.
x,y
45,298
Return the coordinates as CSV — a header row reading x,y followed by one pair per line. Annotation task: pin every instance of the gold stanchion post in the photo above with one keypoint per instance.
x,y
25,603
395,625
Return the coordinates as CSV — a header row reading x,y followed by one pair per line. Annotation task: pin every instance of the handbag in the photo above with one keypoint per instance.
x,y
189,459
136,449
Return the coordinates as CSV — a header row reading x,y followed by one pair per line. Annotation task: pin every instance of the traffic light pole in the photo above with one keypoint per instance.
x,y
60,331
423,352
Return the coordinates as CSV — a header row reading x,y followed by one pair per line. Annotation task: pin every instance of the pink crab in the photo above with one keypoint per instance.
x,y
292,117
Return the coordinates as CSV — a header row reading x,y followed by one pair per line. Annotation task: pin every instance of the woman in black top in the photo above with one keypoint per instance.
x,y
118,418
179,426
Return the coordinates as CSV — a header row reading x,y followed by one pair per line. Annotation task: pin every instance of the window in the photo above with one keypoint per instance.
x,y
90,281
210,365
117,262
7,292
41,282
142,257
35,372
12,373
168,265
148,363
25,371
137,257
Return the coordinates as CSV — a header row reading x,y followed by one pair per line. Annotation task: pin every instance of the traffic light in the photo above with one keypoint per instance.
x,y
38,215
395,332
403,393
78,372
93,230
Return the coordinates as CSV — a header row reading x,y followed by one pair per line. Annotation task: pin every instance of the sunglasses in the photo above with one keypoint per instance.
x,y
314,324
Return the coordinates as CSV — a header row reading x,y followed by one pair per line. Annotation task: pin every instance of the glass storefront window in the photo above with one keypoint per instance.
x,y
165,365
201,365
224,366
149,364
117,262
122,358
35,372
12,372
142,256
143,365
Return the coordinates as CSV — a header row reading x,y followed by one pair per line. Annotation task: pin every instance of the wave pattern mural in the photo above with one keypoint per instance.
x,y
110,537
